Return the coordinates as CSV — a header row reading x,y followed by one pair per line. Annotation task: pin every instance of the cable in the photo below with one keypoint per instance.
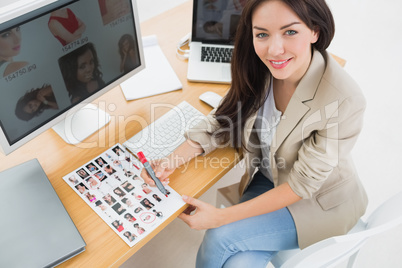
x,y
180,52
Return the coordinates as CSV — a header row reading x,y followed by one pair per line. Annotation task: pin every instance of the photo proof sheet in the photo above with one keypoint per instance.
x,y
112,186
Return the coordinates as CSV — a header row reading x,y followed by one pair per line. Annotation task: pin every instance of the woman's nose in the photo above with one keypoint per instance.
x,y
276,46
16,37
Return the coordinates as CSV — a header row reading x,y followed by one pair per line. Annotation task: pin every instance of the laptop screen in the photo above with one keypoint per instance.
x,y
215,21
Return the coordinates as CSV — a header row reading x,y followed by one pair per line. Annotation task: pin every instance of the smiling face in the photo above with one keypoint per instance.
x,y
32,106
10,44
282,40
117,191
126,45
86,66
81,189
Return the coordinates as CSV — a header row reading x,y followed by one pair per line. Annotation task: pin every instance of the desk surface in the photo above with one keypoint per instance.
x,y
58,158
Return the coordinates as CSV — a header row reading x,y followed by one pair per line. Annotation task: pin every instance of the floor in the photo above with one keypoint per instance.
x,y
367,36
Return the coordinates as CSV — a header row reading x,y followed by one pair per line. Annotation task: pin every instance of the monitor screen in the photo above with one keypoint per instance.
x,y
61,55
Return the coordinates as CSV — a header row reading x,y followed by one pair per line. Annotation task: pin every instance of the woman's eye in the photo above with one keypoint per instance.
x,y
5,35
291,32
261,35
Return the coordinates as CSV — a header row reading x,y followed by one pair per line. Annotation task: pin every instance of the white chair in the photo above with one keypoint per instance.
x,y
335,250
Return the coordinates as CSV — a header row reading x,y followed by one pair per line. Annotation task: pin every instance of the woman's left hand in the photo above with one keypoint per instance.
x,y
206,216
43,93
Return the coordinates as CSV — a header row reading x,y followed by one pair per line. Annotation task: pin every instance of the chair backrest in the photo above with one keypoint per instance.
x,y
332,251
326,253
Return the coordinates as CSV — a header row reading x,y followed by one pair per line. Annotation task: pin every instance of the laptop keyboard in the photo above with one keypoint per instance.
x,y
165,134
216,54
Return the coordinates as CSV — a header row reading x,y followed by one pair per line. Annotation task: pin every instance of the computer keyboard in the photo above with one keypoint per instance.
x,y
216,54
165,134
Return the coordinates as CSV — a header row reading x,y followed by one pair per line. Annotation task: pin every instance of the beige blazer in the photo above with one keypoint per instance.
x,y
311,151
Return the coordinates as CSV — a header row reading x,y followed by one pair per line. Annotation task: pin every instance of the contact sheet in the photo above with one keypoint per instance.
x,y
111,185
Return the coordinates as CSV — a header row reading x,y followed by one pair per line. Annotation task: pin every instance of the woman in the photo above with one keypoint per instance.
x,y
147,204
113,9
128,55
82,173
109,199
73,179
91,167
145,188
109,170
34,102
10,46
156,197
65,26
130,217
90,197
295,114
93,184
81,188
100,161
119,192
130,237
118,225
127,202
140,230
81,72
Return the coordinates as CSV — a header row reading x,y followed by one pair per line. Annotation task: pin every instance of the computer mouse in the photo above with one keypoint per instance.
x,y
211,98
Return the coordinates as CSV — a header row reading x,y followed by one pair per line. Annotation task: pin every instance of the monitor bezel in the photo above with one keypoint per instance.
x,y
5,146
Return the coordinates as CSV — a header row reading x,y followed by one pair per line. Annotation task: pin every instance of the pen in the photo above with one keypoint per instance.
x,y
151,173
136,157
133,154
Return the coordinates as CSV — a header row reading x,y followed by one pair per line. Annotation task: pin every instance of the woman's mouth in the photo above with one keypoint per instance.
x,y
279,64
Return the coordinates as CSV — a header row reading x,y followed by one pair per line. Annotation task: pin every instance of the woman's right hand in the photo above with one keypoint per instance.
x,y
165,166
162,168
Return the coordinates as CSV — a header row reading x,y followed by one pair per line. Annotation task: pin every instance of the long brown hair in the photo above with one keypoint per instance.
x,y
249,73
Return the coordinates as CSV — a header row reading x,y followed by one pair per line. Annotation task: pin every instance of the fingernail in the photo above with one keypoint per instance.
x,y
184,197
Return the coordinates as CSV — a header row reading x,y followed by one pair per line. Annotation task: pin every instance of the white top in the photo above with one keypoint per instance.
x,y
267,120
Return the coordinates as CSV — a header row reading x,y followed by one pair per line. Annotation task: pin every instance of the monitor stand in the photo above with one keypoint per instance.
x,y
78,126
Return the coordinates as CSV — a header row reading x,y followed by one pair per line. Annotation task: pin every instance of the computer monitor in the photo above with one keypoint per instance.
x,y
59,56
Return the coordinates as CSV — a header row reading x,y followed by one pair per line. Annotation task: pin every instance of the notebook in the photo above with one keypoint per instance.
x,y
213,30
158,76
36,230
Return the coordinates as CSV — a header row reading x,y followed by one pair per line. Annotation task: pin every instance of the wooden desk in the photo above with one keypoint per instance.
x,y
104,247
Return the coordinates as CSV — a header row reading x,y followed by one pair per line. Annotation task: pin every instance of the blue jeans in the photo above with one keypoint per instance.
x,y
250,242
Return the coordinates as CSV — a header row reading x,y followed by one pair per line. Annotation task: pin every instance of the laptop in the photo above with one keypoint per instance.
x,y
213,30
36,230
